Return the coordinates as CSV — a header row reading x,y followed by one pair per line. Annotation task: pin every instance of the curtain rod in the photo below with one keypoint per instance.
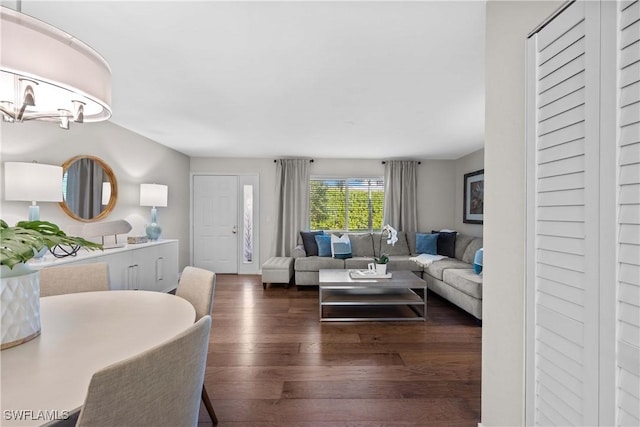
x,y
310,161
384,163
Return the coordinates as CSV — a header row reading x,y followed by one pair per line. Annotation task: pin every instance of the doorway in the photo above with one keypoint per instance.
x,y
225,237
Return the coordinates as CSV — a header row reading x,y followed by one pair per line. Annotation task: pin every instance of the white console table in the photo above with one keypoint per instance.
x,y
151,266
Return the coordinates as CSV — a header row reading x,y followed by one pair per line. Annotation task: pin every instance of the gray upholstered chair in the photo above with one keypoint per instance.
x,y
75,278
160,387
198,286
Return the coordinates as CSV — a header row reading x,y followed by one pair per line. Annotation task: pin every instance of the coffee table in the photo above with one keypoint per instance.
x,y
339,290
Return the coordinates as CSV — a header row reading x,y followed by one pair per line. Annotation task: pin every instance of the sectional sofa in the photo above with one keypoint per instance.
x,y
452,278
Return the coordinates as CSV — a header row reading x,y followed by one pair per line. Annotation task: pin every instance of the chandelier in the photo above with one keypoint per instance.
x,y
47,74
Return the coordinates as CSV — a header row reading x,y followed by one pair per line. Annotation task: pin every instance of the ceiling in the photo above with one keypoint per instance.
x,y
341,79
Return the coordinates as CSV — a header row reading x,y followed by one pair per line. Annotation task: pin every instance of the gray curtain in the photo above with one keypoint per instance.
x,y
292,203
400,194
84,188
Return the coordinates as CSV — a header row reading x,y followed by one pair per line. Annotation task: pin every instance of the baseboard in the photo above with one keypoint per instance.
x,y
479,424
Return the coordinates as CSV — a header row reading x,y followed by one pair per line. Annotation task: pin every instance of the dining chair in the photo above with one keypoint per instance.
x,y
159,387
72,279
197,286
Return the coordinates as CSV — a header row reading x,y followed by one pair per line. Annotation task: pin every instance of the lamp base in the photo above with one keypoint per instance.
x,y
153,231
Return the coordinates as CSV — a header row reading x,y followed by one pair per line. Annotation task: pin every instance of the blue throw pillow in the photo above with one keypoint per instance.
x,y
324,244
427,243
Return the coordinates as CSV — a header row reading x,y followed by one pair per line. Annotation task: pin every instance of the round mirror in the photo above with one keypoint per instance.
x,y
89,188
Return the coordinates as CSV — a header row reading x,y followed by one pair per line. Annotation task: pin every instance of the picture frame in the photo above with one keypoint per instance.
x,y
473,197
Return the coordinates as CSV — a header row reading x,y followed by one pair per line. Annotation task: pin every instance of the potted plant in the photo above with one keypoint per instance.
x,y
19,285
383,259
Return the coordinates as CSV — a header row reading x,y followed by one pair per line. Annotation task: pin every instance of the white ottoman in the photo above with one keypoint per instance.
x,y
277,270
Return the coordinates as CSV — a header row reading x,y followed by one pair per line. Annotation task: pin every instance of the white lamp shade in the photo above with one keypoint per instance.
x,y
33,182
153,195
64,68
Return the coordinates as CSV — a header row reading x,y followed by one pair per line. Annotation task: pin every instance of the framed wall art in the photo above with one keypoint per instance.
x,y
474,197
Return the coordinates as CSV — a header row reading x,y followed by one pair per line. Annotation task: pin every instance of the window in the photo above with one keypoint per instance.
x,y
349,204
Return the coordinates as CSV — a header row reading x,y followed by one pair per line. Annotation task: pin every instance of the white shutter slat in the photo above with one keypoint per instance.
x,y
567,308
561,228
559,26
631,14
629,234
628,333
629,214
561,105
629,35
569,381
629,254
630,173
557,409
629,194
571,262
625,419
571,403
561,136
630,55
630,94
563,275
630,314
561,167
563,326
629,276
564,182
630,134
630,114
562,89
560,75
561,213
566,39
630,154
628,357
629,74
630,383
562,244
560,290
630,404
561,198
566,55
557,356
562,120
562,151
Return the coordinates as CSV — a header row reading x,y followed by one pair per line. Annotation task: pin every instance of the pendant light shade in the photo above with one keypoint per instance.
x,y
47,74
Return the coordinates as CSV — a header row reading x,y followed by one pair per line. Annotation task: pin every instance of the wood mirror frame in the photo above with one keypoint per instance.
x,y
106,172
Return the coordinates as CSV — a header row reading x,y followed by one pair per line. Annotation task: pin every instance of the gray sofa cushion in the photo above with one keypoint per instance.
x,y
400,248
436,268
315,263
361,244
402,262
359,263
466,281
462,241
472,248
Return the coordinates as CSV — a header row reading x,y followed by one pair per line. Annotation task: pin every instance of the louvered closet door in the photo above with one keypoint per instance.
x,y
563,185
628,292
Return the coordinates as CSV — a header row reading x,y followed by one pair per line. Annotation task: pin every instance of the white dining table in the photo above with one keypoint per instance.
x,y
82,333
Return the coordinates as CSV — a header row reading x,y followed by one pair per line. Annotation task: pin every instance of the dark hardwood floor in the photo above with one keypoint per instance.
x,y
272,363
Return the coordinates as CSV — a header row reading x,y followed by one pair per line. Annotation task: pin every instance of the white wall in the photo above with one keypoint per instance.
x,y
469,163
508,23
133,158
436,184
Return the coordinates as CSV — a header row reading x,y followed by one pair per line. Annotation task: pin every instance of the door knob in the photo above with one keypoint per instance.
x,y
234,230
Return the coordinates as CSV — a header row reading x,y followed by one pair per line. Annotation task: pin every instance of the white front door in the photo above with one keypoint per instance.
x,y
215,227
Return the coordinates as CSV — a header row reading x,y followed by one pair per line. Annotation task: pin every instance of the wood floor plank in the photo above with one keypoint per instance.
x,y
272,363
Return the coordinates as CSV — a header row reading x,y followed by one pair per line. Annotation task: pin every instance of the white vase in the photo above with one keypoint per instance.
x,y
19,305
381,268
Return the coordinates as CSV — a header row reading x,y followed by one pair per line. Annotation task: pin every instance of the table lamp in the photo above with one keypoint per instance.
x,y
153,195
32,182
